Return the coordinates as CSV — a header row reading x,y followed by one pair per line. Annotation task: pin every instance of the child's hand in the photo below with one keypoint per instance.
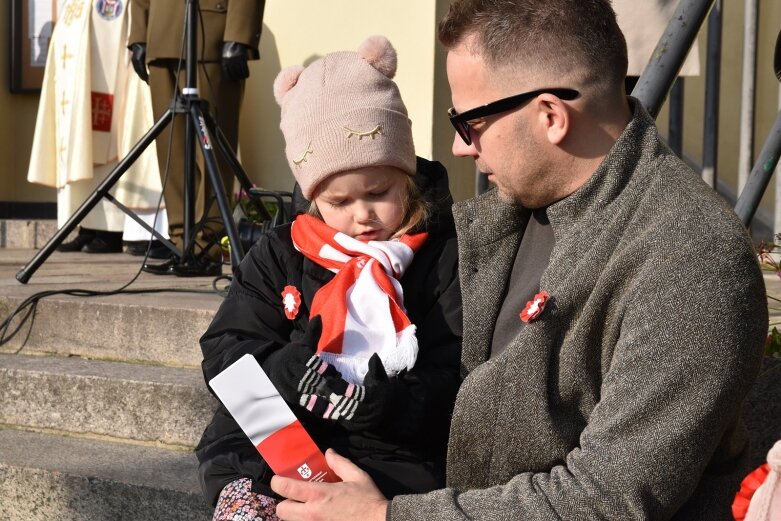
x,y
296,370
356,407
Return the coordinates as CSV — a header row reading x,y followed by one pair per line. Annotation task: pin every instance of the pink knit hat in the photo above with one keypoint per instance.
x,y
344,112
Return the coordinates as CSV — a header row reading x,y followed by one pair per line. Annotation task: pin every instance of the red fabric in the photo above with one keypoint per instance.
x,y
748,486
291,301
102,111
290,452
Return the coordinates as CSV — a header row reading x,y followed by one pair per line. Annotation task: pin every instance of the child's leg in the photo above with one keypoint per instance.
x,y
237,502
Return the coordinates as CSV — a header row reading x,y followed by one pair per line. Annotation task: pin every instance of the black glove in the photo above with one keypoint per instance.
x,y
295,370
355,407
138,57
234,61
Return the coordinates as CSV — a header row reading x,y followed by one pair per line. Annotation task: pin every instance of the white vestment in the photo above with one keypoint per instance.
x,y
84,115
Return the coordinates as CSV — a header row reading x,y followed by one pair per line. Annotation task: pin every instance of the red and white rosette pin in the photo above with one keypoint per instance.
x,y
534,307
291,301
748,487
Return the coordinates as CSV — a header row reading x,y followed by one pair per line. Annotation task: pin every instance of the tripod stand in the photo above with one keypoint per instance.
x,y
199,126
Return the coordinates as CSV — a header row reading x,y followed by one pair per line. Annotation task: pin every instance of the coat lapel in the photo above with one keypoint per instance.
x,y
488,242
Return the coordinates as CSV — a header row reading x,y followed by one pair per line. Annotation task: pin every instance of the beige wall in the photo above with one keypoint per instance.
x,y
290,36
296,35
16,131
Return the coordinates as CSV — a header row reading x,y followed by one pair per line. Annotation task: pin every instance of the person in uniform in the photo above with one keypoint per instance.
x,y
228,36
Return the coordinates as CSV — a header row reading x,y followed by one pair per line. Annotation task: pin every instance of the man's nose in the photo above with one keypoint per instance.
x,y
461,149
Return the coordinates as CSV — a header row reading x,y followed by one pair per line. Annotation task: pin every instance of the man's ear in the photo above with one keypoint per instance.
x,y
555,116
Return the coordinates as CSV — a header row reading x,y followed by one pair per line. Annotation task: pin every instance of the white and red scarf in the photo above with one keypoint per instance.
x,y
362,307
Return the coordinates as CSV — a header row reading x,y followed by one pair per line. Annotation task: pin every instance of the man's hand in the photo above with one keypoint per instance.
x,y
138,58
355,498
234,61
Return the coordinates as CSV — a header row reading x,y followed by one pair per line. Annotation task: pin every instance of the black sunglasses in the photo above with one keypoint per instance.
x,y
461,121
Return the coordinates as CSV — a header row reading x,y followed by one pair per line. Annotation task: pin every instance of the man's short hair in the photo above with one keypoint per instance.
x,y
558,37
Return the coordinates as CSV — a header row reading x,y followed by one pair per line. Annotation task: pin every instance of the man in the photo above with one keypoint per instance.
x,y
228,36
614,310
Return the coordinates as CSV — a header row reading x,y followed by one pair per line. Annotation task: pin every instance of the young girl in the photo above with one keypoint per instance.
x,y
367,278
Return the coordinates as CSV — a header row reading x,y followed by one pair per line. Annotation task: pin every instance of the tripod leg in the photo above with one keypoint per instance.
x,y
188,221
168,244
230,156
101,191
213,171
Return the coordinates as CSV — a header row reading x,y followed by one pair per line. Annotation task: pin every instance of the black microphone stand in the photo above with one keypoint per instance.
x,y
200,128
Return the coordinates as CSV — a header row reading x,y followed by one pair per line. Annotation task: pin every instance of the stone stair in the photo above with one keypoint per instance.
x,y
25,233
101,399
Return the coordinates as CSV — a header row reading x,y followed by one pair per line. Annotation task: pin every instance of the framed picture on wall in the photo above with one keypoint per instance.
x,y
32,22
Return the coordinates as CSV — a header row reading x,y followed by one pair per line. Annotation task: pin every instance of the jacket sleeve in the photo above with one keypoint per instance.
x,y
243,23
251,318
139,14
425,395
689,349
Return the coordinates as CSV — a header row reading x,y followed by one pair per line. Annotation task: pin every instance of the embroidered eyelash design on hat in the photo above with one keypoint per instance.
x,y
303,157
371,133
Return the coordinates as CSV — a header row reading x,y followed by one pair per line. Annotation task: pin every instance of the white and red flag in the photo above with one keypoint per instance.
x,y
268,422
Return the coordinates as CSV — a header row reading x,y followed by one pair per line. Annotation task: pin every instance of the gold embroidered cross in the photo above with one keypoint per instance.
x,y
372,133
63,103
303,158
65,56
101,113
62,151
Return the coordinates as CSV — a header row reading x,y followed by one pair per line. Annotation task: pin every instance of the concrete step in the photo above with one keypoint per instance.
x,y
156,328
45,477
111,386
123,401
26,233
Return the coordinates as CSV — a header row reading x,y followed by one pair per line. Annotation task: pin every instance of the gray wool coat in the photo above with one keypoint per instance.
x,y
622,400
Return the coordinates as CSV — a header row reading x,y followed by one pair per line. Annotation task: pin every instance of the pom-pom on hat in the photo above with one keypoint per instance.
x,y
344,112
